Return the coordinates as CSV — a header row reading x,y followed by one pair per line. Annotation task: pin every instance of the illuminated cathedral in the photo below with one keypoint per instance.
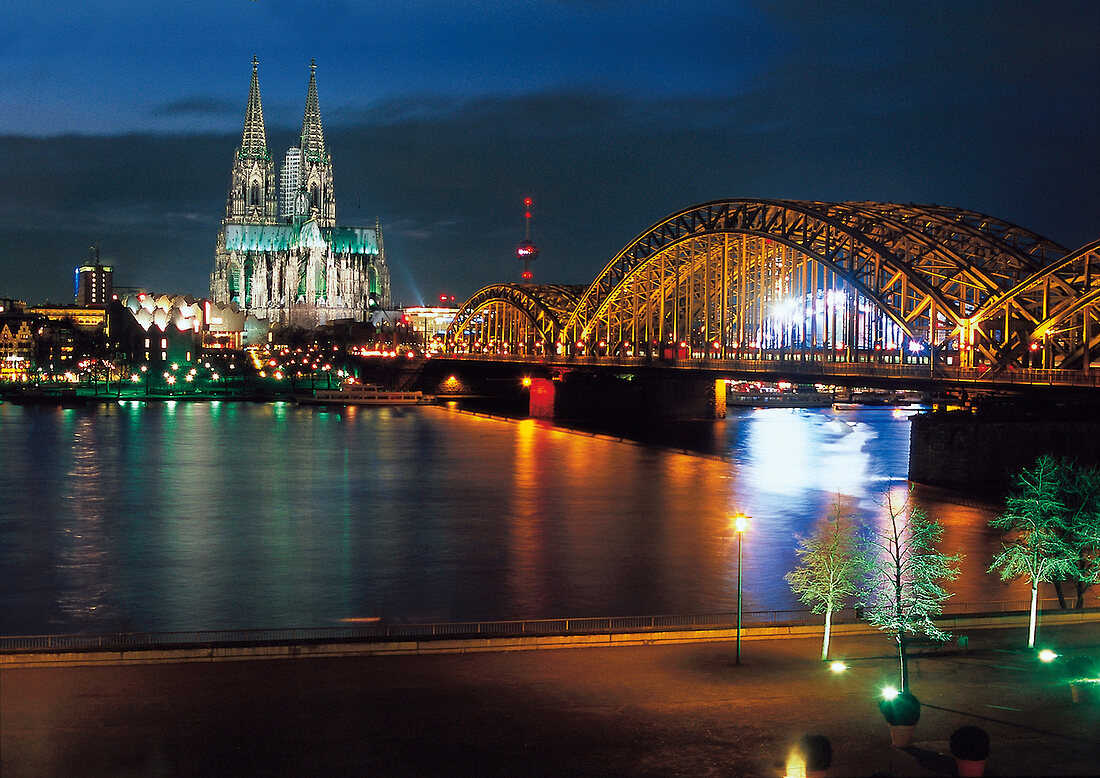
x,y
280,255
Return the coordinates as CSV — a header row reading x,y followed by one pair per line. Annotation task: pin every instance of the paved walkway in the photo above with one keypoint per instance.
x,y
643,710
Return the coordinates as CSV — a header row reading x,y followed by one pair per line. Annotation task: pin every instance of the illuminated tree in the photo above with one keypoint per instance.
x,y
1079,489
901,591
828,567
1035,520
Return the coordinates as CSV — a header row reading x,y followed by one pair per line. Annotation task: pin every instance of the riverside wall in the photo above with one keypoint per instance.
x,y
979,452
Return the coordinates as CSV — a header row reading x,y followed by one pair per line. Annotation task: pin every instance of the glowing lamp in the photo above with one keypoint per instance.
x,y
527,251
889,693
1046,655
740,522
838,667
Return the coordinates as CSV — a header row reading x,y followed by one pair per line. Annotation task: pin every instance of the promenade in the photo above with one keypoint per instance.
x,y
682,709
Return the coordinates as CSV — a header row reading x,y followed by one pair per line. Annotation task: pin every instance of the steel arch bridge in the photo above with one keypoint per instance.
x,y
815,282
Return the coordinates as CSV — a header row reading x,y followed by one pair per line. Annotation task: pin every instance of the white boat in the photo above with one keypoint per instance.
x,y
362,394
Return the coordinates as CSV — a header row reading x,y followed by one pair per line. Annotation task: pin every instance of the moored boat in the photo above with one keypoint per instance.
x,y
362,394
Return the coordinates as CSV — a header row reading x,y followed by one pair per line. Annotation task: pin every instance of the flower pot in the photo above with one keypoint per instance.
x,y
1081,692
972,768
901,735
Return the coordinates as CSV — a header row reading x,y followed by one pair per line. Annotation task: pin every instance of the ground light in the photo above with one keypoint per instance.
x,y
889,693
1046,655
838,667
796,766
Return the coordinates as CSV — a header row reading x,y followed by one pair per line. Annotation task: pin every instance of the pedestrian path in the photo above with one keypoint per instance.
x,y
682,709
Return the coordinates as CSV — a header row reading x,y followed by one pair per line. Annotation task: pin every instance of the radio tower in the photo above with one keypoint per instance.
x,y
527,252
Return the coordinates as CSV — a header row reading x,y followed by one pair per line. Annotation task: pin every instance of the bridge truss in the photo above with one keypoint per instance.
x,y
814,282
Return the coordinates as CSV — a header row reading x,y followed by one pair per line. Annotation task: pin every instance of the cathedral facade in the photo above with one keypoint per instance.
x,y
280,255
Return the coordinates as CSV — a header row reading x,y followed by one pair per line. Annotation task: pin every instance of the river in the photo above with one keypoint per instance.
x,y
211,515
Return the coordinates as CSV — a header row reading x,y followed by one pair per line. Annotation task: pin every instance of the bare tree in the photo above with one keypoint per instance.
x,y
1035,520
828,566
903,568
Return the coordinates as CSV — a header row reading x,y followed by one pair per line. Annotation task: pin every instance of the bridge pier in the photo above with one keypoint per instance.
x,y
578,395
979,451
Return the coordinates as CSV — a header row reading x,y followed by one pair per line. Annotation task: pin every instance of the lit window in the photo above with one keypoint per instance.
x,y
164,342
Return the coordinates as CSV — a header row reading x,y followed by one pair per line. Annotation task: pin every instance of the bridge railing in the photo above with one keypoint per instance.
x,y
395,632
816,368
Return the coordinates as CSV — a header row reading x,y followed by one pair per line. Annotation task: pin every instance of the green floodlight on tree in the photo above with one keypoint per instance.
x,y
1036,523
827,567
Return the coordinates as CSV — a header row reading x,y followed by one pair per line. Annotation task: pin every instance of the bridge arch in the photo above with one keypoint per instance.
x,y
1051,319
819,282
741,277
522,318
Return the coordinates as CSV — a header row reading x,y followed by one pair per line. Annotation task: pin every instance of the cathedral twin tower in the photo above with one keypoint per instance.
x,y
280,255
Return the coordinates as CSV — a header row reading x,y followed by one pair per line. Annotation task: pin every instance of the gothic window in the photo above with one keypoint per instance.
x,y
314,196
254,196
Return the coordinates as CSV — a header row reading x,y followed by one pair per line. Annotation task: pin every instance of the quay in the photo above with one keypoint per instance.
x,y
659,709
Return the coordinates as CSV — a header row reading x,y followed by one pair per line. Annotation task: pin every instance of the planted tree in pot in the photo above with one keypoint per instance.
x,y
970,747
1082,675
902,712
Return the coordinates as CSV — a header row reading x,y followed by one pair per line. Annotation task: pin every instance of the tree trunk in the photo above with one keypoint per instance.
x,y
904,661
1061,596
1082,587
825,641
1034,606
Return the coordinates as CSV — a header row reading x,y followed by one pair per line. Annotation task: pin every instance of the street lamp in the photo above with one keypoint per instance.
x,y
740,523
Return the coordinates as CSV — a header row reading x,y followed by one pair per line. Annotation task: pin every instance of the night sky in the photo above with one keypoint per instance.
x,y
119,121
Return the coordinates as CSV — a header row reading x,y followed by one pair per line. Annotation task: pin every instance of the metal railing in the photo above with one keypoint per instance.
x,y
814,368
395,632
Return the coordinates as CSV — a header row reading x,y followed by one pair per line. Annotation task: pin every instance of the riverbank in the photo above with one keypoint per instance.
x,y
683,709
451,639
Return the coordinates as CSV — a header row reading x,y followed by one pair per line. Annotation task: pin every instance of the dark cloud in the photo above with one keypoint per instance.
x,y
196,106
446,177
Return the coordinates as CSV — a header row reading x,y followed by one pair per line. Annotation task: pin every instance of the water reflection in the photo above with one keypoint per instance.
x,y
208,515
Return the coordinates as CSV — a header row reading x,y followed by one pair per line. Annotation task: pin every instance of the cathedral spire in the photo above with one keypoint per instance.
x,y
313,136
254,140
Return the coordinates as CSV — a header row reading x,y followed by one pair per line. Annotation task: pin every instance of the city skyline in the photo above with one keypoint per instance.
x,y
609,115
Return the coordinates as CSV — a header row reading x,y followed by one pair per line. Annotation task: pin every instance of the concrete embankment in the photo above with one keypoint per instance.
x,y
957,625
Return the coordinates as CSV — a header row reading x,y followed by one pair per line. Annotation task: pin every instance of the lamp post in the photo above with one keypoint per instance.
x,y
740,523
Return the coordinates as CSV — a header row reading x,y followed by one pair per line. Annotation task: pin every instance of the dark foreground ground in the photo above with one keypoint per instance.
x,y
654,710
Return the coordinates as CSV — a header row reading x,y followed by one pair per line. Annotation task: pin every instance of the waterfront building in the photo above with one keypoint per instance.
x,y
430,323
16,346
280,255
156,330
94,282
67,333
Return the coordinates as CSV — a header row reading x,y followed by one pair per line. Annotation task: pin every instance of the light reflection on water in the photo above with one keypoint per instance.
x,y
220,515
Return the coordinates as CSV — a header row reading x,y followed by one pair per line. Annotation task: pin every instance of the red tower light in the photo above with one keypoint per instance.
x,y
526,251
